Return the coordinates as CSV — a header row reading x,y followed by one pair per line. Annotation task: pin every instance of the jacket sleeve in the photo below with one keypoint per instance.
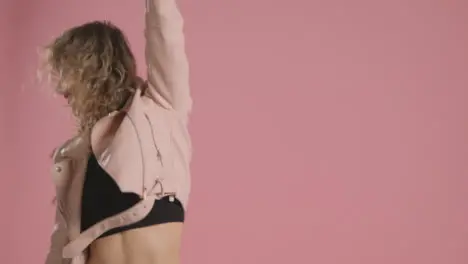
x,y
168,69
58,240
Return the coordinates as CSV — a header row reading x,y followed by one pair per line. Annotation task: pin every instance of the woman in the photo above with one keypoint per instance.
x,y
123,182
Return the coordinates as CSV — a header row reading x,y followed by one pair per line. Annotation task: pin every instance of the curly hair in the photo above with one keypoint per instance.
x,y
93,67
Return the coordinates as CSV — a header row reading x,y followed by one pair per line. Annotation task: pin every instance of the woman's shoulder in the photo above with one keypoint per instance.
x,y
73,147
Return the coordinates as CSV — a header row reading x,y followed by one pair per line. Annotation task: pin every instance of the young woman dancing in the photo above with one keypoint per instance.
x,y
122,183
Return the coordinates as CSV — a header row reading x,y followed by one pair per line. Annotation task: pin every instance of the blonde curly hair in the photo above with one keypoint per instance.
x,y
93,67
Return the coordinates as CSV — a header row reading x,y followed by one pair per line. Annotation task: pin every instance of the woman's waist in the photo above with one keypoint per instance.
x,y
148,245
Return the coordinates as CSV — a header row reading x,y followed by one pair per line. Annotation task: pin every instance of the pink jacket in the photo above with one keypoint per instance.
x,y
145,147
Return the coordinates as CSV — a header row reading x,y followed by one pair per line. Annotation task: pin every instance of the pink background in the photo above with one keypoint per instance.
x,y
327,131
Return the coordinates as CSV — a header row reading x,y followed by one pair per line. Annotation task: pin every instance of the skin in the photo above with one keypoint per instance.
x,y
157,244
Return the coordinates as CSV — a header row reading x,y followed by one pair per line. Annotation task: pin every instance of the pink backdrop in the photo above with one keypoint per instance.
x,y
326,131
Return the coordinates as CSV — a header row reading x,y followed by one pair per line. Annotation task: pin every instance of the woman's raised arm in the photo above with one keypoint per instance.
x,y
168,69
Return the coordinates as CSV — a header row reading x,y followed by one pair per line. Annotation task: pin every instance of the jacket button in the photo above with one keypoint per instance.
x,y
58,169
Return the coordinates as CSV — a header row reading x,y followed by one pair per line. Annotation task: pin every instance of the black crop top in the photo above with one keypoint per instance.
x,y
102,198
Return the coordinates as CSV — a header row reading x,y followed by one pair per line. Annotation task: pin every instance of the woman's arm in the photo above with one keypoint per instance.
x,y
58,240
168,69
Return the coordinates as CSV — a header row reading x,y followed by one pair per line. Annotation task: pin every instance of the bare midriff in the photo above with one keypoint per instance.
x,y
158,244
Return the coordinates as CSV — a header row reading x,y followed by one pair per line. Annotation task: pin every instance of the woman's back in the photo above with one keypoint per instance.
x,y
157,244
154,239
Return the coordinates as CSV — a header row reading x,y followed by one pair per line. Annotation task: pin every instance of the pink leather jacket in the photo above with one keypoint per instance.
x,y
145,147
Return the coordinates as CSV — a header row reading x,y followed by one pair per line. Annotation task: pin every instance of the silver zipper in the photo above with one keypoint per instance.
x,y
158,151
141,155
